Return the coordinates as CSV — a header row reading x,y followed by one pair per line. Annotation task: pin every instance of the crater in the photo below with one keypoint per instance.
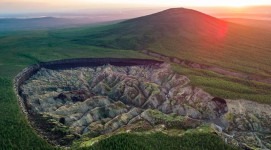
x,y
65,101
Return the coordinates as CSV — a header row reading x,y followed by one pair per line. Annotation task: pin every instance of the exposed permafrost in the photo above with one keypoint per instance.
x,y
106,99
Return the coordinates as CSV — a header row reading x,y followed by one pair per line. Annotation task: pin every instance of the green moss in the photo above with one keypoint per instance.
x,y
106,85
152,88
229,117
205,128
159,115
69,137
86,141
62,129
121,106
254,118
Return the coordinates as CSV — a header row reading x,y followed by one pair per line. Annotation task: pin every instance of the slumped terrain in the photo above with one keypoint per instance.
x,y
106,100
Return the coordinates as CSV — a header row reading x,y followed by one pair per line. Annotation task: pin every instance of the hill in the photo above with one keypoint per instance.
x,y
138,33
193,36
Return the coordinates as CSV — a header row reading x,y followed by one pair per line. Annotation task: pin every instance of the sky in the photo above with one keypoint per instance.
x,y
29,6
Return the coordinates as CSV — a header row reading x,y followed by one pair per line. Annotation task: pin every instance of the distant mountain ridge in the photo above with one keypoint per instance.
x,y
16,24
9,24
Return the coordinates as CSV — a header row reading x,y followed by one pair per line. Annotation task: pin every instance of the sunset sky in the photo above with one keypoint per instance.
x,y
21,6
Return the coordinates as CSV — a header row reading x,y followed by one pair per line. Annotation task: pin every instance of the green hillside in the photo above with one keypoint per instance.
x,y
191,35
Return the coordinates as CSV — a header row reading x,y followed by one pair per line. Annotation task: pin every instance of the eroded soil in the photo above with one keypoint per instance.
x,y
108,99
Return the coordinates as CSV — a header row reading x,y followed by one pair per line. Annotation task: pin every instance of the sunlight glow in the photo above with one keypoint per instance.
x,y
63,5
228,3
